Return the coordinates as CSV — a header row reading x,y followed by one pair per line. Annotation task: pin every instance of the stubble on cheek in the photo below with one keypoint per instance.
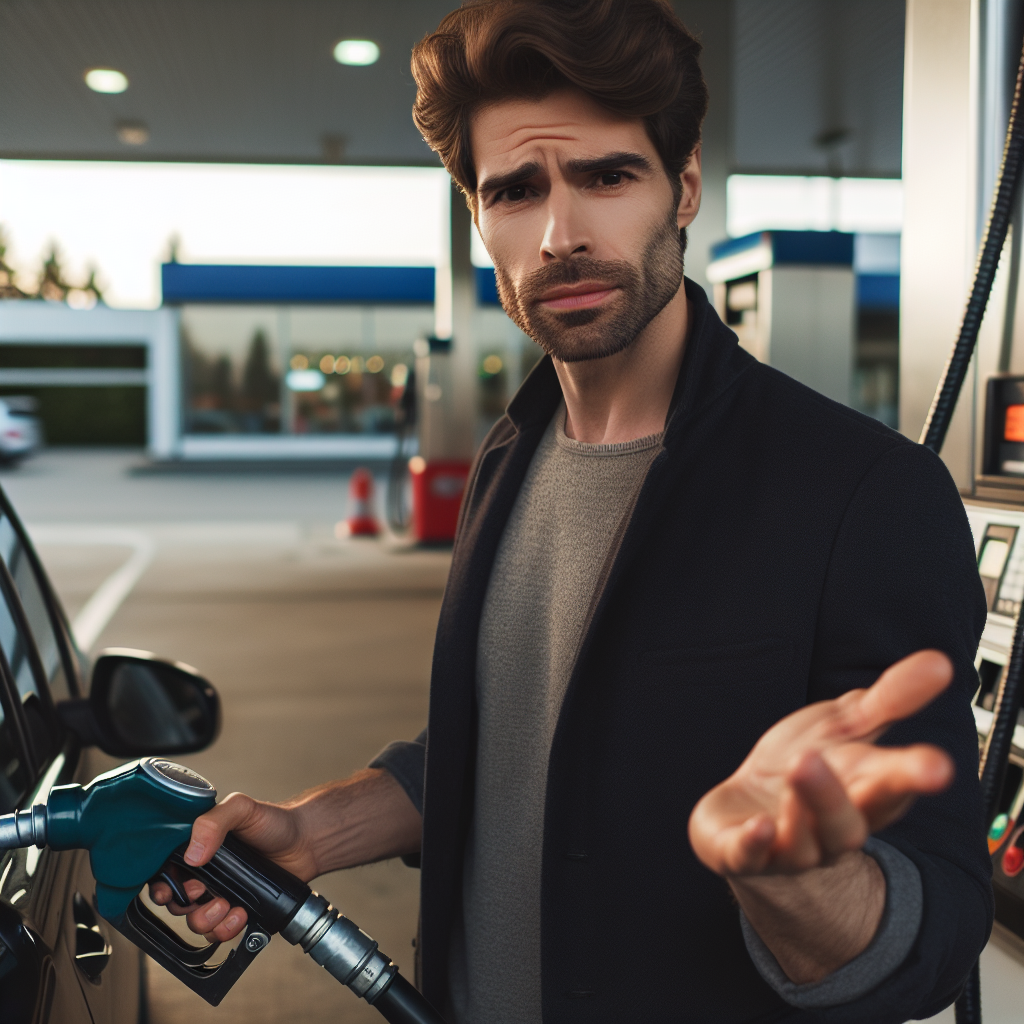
x,y
600,331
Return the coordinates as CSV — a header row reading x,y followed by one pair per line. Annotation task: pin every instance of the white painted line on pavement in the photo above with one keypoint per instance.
x,y
109,595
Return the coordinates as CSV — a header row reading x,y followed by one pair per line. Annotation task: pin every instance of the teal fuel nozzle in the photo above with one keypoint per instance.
x,y
130,820
136,820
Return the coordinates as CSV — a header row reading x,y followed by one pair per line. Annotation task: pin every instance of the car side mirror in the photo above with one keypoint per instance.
x,y
141,705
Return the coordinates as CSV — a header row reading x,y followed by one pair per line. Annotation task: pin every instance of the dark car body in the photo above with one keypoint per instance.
x,y
64,964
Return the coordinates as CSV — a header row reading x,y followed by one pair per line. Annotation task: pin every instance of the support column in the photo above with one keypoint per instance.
x,y
447,379
712,22
960,66
939,219
464,346
163,393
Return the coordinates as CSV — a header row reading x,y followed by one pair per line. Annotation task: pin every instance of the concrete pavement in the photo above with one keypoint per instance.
x,y
320,650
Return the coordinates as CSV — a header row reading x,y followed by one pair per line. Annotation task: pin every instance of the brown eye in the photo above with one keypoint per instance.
x,y
611,178
516,193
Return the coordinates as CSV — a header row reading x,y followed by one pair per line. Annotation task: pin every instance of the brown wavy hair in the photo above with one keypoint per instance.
x,y
633,57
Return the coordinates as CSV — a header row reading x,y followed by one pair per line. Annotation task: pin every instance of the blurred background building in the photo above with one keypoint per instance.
x,y
138,146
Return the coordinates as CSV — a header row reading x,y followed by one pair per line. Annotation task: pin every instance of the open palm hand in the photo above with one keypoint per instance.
x,y
816,786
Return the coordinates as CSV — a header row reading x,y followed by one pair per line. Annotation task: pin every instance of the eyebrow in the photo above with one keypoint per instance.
x,y
498,182
602,163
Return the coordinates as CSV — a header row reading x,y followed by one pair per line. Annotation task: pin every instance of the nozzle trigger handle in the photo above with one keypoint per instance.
x,y
188,963
177,890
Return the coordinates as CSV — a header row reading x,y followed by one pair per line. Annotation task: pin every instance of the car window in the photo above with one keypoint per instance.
x,y
14,769
21,662
12,551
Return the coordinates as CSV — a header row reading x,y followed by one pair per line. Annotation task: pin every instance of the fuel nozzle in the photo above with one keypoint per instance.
x,y
23,828
136,821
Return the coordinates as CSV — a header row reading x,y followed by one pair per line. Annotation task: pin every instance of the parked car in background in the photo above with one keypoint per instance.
x,y
20,430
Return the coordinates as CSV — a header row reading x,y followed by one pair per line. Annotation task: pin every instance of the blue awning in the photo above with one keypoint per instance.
x,y
486,287
878,291
193,282
800,247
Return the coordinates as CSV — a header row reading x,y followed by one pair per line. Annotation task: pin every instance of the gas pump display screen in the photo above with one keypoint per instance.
x,y
993,555
1013,425
993,558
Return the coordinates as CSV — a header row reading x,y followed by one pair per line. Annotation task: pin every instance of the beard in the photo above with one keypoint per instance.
x,y
576,335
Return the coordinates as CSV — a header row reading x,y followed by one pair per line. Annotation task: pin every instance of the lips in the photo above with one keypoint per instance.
x,y
579,296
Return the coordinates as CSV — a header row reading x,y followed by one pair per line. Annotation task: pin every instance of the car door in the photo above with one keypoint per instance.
x,y
93,972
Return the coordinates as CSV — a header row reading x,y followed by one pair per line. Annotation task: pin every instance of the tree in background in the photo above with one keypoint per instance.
x,y
8,289
52,285
261,388
91,287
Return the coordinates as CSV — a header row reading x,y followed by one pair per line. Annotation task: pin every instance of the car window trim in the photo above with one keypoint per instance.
x,y
11,701
71,658
10,593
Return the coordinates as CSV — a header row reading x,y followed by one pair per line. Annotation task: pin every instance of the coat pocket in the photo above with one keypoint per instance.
x,y
708,705
746,663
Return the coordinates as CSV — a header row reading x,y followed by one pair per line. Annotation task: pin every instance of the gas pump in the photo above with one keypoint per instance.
x,y
790,296
439,469
995,510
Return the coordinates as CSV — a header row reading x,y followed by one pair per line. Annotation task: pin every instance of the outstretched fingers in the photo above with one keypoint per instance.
x,y
902,690
746,849
838,825
885,785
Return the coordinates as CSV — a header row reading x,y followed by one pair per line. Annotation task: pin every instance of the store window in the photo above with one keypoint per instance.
x,y
231,369
296,369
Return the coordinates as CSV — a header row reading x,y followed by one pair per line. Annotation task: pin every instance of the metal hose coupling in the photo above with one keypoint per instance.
x,y
23,828
343,949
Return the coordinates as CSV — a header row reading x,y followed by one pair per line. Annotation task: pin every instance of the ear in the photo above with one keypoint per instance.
x,y
689,201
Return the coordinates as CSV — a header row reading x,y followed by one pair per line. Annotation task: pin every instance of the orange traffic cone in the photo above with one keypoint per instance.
x,y
361,521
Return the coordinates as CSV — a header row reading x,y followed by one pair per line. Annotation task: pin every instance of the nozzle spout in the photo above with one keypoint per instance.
x,y
23,828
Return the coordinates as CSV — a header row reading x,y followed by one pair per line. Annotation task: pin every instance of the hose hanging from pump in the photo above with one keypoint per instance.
x,y
405,422
996,753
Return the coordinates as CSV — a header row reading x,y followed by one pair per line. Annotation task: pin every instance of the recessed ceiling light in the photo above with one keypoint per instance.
x,y
132,133
358,52
106,80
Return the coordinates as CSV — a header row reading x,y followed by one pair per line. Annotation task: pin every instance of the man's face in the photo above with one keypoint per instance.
x,y
580,219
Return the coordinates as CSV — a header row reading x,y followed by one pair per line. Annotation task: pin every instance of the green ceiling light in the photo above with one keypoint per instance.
x,y
106,80
356,52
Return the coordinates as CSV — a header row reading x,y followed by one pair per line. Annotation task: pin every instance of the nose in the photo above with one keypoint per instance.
x,y
567,232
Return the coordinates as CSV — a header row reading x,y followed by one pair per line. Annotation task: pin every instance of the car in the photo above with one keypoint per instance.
x,y
60,962
20,432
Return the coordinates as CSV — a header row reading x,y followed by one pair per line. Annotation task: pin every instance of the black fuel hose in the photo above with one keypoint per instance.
x,y
402,1004
996,753
405,422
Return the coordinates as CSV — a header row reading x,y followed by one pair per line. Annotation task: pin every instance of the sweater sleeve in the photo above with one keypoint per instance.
x,y
406,760
896,935
903,577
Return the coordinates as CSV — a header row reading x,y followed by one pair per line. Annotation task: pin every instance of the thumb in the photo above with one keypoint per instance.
x,y
234,812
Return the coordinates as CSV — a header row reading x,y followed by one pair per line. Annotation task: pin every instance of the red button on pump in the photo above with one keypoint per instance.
x,y
1013,861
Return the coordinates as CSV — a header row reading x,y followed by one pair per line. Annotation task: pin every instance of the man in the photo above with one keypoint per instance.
x,y
661,785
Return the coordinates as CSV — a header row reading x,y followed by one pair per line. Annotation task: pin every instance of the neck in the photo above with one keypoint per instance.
x,y
627,395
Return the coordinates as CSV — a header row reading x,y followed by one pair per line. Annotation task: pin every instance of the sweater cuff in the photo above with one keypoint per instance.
x,y
407,763
897,932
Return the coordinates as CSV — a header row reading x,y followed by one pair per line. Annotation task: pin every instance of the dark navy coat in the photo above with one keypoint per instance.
x,y
783,549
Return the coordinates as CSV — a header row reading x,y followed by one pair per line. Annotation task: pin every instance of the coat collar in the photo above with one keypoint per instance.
x,y
712,360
